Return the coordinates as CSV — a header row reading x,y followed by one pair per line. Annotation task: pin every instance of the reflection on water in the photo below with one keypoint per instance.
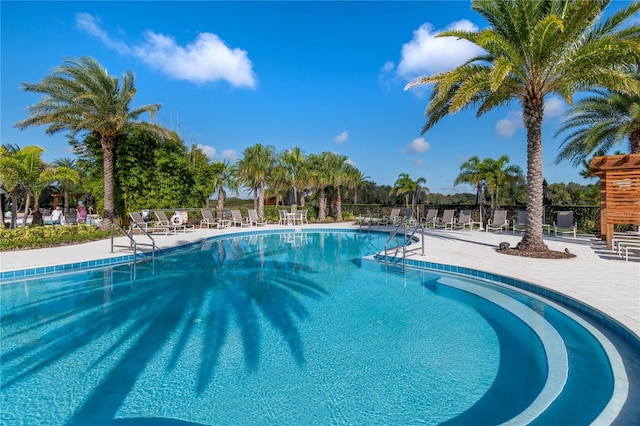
x,y
108,326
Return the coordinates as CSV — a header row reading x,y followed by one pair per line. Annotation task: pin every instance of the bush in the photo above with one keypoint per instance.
x,y
35,236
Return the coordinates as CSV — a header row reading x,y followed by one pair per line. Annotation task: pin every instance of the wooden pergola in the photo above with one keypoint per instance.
x,y
619,191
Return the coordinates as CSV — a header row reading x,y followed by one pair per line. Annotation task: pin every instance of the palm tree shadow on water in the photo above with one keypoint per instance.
x,y
198,294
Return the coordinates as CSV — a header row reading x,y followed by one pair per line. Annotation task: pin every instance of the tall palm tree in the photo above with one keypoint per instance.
x,y
65,184
533,49
225,178
355,179
599,122
338,177
404,185
293,161
80,96
319,178
253,169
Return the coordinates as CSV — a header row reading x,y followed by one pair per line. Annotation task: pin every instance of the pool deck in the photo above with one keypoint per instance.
x,y
596,276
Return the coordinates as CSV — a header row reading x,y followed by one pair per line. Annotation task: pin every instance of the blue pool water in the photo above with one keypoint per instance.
x,y
289,328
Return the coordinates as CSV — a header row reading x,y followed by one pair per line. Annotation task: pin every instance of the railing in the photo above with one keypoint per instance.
x,y
132,242
406,242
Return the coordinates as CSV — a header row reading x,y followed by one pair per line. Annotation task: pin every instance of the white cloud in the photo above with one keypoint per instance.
x,y
229,154
509,125
427,54
205,60
209,151
342,137
418,146
350,161
554,107
419,162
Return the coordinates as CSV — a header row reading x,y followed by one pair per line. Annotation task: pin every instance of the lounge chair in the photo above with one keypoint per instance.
x,y
499,221
564,223
520,223
208,220
463,220
176,222
447,219
256,220
407,217
430,218
392,218
238,220
138,222
301,216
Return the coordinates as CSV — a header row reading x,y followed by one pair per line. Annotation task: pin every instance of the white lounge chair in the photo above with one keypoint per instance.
x,y
238,220
564,223
208,220
256,220
138,222
499,221
430,218
176,222
520,222
447,219
463,220
392,219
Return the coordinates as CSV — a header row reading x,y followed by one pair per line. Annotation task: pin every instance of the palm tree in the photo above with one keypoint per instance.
x,y
253,169
533,49
65,184
226,177
319,177
338,177
80,96
404,185
355,179
11,174
293,161
599,122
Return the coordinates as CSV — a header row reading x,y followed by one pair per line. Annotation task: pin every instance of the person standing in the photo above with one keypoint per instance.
x,y
82,212
56,216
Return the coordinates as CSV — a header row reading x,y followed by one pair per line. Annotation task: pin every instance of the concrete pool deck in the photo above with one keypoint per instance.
x,y
596,276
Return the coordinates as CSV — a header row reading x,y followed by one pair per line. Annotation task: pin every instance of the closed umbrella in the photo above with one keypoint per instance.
x,y
480,201
546,200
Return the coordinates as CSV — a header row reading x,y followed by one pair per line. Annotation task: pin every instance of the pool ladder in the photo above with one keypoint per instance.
x,y
407,240
133,244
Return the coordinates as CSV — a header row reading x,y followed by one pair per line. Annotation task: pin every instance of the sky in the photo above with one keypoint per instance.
x,y
323,76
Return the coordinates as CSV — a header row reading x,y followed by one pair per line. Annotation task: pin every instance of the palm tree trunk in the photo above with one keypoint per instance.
x,y
261,199
108,145
532,115
66,197
322,204
634,141
338,204
220,202
14,208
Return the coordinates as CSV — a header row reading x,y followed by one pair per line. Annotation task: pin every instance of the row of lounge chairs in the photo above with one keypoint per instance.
x,y
564,223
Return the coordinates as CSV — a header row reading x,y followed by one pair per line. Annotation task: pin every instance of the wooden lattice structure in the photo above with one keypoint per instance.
x,y
619,191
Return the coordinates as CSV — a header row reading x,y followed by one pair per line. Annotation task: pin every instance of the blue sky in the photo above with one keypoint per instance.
x,y
324,76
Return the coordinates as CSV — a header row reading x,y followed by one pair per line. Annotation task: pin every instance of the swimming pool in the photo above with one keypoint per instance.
x,y
293,328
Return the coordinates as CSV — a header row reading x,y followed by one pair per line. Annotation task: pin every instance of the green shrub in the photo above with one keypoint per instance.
x,y
47,236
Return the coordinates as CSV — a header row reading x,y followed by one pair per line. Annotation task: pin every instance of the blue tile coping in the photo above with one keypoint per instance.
x,y
590,312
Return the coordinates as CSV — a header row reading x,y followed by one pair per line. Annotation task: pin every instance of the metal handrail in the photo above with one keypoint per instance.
x,y
403,224
133,243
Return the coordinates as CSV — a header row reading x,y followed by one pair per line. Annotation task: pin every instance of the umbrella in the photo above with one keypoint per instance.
x,y
480,200
545,199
